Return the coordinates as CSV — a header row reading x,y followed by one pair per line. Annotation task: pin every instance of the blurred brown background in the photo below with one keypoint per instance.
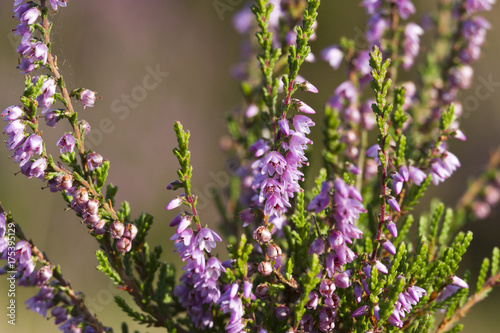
x,y
107,46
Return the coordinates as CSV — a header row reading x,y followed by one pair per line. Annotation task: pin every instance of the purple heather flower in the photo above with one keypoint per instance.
x,y
262,290
389,247
66,143
123,245
46,98
371,6
405,8
411,43
302,123
247,289
342,280
94,160
251,111
333,55
84,127
38,168
230,302
60,314
322,200
42,301
206,238
284,126
265,268
397,182
174,203
116,229
416,175
313,301
130,231
391,226
344,92
247,216
326,319
43,275
243,20
88,98
303,107
393,203
361,311
262,234
30,15
306,85
456,281
274,162
381,267
273,251
478,5
15,130
377,25
462,76
260,147
13,112
444,166
55,3
405,302
51,118
282,312
318,246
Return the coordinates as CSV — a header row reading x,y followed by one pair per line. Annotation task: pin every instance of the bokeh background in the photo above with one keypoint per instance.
x,y
107,46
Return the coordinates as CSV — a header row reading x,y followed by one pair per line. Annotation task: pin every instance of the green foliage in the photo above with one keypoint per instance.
x,y
106,269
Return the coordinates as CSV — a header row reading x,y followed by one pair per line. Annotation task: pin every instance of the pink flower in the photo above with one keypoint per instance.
x,y
88,98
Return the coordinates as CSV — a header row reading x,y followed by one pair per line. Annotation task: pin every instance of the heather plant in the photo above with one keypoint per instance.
x,y
334,250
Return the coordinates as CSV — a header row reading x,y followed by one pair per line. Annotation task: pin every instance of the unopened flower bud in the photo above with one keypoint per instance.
x,y
94,160
389,247
173,185
282,312
262,234
123,245
93,206
313,301
273,251
130,231
176,202
116,229
43,275
265,268
391,226
342,280
262,290
67,182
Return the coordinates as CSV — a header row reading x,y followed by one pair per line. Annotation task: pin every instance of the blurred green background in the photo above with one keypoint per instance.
x,y
106,46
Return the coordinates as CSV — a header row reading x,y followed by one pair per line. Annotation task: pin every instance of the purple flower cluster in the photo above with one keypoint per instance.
x,y
277,176
442,167
200,286
231,302
455,283
26,147
406,300
411,43
33,52
347,205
